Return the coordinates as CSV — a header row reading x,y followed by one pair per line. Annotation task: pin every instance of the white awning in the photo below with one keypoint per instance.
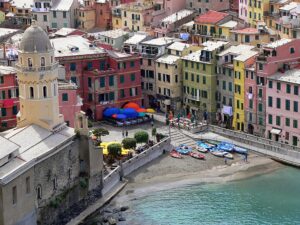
x,y
275,131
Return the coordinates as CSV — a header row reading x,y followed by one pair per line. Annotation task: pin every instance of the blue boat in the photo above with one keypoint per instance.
x,y
183,149
203,145
240,150
225,146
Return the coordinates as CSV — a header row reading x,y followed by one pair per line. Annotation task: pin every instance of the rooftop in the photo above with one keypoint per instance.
x,y
211,17
178,46
117,55
289,6
65,31
136,39
4,70
236,50
26,4
278,43
229,24
110,33
161,41
74,46
247,31
66,85
62,5
195,56
213,45
33,143
6,31
168,59
291,76
246,55
177,16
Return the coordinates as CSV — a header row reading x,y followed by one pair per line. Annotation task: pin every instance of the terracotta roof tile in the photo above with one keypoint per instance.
x,y
211,17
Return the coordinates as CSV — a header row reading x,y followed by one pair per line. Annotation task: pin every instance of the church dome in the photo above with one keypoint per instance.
x,y
35,39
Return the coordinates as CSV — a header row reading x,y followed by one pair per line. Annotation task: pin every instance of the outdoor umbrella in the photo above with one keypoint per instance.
x,y
111,111
141,110
131,105
150,110
121,116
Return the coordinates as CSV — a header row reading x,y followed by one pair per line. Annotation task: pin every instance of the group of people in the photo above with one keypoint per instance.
x,y
125,133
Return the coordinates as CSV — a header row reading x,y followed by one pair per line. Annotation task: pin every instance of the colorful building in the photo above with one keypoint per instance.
x,y
87,15
203,6
212,25
256,11
200,80
277,56
9,97
282,110
111,39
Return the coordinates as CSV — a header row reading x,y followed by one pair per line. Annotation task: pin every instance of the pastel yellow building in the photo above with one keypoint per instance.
x,y
86,18
239,65
256,10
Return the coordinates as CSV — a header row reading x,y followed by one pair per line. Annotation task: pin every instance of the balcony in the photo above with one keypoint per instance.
x,y
96,72
116,14
192,97
36,69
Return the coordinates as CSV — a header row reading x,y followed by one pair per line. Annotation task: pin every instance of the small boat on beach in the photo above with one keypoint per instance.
x,y
183,149
197,155
212,142
175,154
240,150
201,149
225,146
218,153
204,145
228,156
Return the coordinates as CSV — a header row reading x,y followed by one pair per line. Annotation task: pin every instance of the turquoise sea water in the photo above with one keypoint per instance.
x,y
268,199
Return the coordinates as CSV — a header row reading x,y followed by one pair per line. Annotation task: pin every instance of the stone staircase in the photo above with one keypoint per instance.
x,y
177,137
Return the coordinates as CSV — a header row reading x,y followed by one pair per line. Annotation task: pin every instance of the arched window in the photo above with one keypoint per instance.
x,y
30,62
45,92
31,92
42,61
39,191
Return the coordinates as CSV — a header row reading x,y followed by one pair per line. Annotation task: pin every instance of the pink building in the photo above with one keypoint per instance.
x,y
243,10
282,110
9,101
69,102
281,55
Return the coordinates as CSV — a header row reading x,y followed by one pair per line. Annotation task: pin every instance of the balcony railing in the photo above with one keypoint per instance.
x,y
36,69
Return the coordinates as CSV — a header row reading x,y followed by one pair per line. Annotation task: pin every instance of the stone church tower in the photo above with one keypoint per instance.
x,y
37,77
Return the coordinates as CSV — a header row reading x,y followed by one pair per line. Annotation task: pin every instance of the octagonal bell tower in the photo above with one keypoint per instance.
x,y
37,77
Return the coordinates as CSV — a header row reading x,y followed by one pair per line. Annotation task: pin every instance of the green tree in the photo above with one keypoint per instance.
x,y
141,137
114,150
99,132
129,143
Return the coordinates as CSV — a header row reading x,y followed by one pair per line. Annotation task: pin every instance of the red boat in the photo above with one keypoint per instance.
x,y
197,155
175,154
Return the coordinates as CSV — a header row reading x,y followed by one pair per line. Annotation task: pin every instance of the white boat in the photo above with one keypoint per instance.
x,y
228,156
201,149
218,153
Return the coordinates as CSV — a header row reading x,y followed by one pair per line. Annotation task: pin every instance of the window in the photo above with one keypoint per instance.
x,y
31,92
122,79
270,101
111,80
296,90
3,112
89,82
89,65
288,88
270,84
122,93
204,67
45,18
102,65
278,86
29,62
27,185
102,82
15,110
90,97
287,105
42,61
186,76
287,122
295,123
45,92
278,120
64,14
14,195
73,67
270,119
278,103
54,14
39,192
65,97
295,106
132,77
292,50
132,64
204,80
1,79
260,66
111,96
260,93
260,107
250,103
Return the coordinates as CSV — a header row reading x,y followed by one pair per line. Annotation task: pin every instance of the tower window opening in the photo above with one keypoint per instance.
x,y
30,62
43,62
45,92
31,92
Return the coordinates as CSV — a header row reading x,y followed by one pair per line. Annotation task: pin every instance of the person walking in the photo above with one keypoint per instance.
x,y
225,160
123,133
152,123
126,133
246,157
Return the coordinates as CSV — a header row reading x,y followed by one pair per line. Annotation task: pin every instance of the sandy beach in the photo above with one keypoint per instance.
x,y
167,172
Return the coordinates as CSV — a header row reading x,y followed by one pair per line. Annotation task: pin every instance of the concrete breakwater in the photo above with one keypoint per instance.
x,y
113,182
